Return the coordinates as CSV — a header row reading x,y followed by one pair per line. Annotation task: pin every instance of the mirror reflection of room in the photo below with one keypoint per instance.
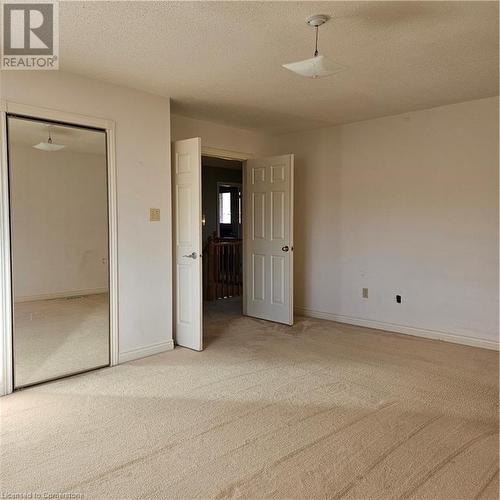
x,y
59,244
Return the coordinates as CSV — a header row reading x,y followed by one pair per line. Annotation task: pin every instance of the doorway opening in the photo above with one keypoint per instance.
x,y
254,271
222,235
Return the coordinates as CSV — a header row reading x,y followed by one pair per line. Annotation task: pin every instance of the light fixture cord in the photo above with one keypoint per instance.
x,y
316,46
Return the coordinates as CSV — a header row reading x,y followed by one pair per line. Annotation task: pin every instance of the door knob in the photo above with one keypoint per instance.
x,y
191,255
285,248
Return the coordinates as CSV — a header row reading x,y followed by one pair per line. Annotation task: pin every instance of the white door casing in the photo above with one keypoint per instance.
x,y
188,275
268,245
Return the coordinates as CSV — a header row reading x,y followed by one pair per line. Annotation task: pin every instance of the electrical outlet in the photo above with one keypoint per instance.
x,y
154,214
365,293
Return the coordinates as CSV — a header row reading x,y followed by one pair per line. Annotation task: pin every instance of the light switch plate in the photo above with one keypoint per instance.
x,y
154,214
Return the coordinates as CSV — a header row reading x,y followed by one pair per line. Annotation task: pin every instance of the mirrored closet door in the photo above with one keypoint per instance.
x,y
59,248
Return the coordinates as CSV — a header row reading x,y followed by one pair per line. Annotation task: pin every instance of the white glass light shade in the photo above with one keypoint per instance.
x,y
48,146
315,67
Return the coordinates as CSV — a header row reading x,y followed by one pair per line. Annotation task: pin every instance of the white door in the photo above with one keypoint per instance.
x,y
186,186
268,225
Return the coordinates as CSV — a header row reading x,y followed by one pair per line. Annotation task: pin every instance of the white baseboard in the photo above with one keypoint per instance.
x,y
408,330
61,295
148,350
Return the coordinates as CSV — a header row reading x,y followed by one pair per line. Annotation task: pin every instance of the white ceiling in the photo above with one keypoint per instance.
x,y
222,60
30,132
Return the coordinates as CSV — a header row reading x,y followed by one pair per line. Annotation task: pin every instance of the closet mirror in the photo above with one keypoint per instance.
x,y
59,249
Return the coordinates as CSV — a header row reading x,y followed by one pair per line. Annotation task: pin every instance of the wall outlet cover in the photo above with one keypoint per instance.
x,y
154,214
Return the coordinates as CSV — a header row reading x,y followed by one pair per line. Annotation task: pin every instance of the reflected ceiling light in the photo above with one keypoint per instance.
x,y
317,66
49,145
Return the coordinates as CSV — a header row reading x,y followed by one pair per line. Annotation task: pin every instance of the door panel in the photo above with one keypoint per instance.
x,y
259,277
188,320
259,215
278,279
277,215
269,238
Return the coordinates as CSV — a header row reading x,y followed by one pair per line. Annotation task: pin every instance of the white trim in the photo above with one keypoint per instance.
x,y
58,116
244,223
61,295
225,154
6,383
408,330
5,272
291,287
149,350
114,341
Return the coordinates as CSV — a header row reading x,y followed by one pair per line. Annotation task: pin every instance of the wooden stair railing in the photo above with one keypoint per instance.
x,y
222,269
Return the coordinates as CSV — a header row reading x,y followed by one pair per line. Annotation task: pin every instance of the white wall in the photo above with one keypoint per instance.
x,y
59,229
405,205
143,181
218,136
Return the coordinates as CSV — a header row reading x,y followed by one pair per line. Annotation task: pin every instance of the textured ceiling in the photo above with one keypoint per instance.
x,y
221,61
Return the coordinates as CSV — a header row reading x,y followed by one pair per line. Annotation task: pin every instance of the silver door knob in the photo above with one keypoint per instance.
x,y
285,248
191,255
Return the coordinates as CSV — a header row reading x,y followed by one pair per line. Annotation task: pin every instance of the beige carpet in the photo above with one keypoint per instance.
x,y
319,410
57,337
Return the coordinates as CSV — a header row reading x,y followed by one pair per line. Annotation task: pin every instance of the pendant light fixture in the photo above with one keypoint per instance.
x,y
317,66
49,145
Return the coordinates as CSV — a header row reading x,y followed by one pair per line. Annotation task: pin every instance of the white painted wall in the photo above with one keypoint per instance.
x,y
59,215
406,205
143,181
218,136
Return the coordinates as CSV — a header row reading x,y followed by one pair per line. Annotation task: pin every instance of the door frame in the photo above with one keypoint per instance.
x,y
225,154
28,111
